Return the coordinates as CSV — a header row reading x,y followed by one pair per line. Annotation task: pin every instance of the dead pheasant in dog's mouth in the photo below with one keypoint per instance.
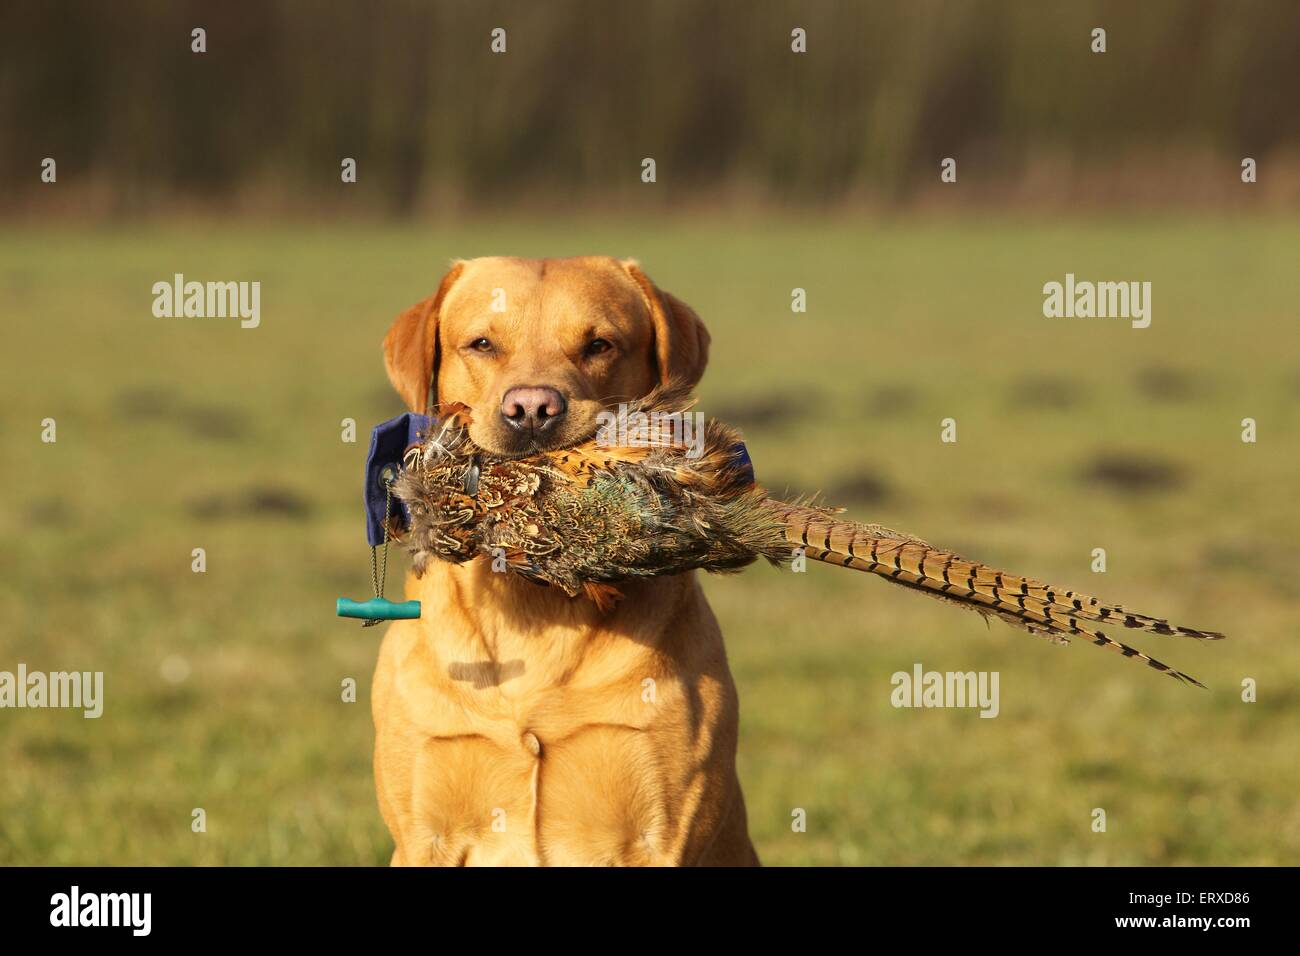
x,y
585,518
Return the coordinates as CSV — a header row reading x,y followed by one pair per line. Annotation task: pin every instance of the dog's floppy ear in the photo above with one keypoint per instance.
x,y
411,346
681,340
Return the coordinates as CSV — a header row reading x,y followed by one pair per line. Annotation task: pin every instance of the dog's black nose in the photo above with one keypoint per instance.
x,y
532,407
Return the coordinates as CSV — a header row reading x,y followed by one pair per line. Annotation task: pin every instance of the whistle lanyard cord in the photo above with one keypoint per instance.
x,y
379,568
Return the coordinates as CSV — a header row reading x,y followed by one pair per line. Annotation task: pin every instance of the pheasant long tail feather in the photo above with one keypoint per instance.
x,y
1025,602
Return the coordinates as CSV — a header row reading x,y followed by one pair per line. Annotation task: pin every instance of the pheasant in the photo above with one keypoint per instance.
x,y
585,518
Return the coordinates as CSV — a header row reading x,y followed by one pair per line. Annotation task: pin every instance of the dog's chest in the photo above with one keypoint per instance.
x,y
530,742
597,797
582,775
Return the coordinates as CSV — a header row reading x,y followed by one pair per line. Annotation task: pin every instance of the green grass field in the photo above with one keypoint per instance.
x,y
223,688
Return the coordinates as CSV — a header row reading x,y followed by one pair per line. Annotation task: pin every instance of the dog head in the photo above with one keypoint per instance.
x,y
537,348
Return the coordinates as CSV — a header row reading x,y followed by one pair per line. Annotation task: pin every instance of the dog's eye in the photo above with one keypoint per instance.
x,y
598,346
481,345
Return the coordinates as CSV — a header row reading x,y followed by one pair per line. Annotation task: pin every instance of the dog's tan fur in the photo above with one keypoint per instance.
x,y
515,725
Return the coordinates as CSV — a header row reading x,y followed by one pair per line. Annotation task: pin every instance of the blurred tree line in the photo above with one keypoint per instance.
x,y
709,88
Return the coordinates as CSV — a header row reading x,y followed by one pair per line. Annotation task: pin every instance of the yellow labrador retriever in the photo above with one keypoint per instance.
x,y
514,725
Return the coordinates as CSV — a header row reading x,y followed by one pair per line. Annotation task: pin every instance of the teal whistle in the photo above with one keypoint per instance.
x,y
378,609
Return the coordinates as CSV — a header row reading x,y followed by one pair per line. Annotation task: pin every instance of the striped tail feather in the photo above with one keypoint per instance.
x,y
1024,602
